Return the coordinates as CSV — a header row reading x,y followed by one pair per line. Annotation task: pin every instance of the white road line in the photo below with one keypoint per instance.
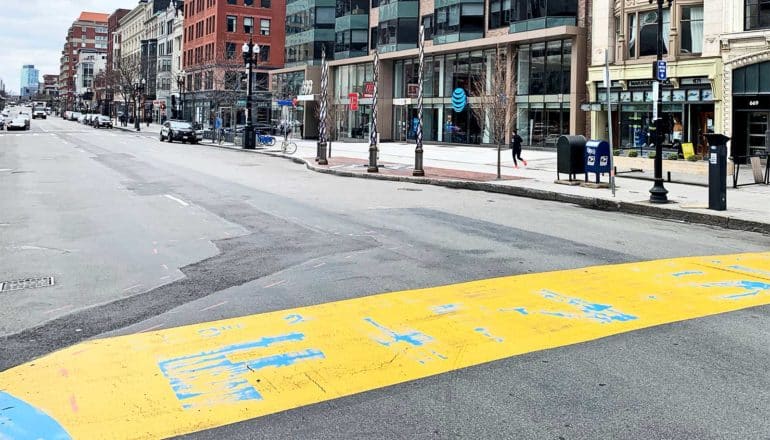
x,y
58,309
214,306
132,287
319,265
151,328
274,284
180,201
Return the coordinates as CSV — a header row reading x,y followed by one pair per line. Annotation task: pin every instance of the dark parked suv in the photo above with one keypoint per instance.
x,y
180,131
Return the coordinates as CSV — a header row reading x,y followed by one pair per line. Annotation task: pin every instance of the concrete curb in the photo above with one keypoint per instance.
x,y
648,210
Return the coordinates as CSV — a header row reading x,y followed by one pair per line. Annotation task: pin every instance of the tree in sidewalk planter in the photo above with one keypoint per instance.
x,y
493,102
334,114
127,78
222,81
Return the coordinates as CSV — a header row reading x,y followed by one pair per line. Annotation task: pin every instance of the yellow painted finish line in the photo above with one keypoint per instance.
x,y
186,379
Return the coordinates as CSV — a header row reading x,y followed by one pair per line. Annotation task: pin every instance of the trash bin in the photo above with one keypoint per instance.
x,y
597,158
569,156
717,171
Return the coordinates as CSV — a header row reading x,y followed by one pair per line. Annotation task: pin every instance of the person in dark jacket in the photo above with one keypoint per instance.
x,y
516,141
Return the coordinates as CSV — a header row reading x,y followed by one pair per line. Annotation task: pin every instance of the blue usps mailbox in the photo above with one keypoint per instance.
x,y
597,158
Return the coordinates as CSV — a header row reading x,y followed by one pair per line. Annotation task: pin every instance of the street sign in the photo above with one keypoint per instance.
x,y
353,101
368,89
659,71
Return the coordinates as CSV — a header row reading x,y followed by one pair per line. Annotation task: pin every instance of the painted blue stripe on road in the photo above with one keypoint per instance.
x,y
21,421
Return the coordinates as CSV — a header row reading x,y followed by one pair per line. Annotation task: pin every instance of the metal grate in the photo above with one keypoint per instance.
x,y
29,283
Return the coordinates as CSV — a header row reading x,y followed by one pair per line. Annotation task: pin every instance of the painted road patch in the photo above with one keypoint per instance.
x,y
186,379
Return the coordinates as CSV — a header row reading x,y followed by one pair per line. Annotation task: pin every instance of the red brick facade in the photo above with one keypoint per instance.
x,y
207,37
89,31
112,25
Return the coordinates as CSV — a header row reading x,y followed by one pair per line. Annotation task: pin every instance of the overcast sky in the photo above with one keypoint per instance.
x,y
33,32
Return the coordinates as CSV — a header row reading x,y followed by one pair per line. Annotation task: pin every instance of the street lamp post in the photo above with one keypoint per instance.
x,y
138,88
250,58
658,193
180,85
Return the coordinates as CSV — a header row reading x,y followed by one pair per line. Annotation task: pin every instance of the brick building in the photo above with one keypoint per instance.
x,y
88,32
214,32
113,37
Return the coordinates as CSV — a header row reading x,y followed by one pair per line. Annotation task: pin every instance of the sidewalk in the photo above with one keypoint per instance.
x,y
475,168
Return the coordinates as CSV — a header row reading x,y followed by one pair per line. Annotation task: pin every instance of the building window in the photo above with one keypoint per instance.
x,y
248,25
229,51
248,2
264,26
264,53
265,3
757,14
208,80
232,2
643,33
427,22
692,30
373,38
232,23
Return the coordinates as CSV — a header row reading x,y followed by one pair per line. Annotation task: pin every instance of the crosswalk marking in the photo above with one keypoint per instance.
x,y
180,380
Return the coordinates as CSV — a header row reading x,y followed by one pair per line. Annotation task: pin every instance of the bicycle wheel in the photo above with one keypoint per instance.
x,y
289,147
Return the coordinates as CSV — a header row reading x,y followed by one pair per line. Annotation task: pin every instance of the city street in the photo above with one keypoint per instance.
x,y
143,237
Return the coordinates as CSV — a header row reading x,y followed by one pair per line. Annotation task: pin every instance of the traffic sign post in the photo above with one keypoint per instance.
x,y
659,70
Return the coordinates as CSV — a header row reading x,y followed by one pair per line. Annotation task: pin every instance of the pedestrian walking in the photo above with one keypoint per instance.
x,y
516,141
218,129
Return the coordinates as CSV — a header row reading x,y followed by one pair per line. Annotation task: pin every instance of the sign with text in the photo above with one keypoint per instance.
x,y
353,101
369,89
412,90
659,70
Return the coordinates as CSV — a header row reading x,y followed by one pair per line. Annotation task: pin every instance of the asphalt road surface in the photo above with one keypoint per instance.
x,y
141,235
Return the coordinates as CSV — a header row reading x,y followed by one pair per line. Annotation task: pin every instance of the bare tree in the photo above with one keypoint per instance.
x,y
221,79
127,74
494,99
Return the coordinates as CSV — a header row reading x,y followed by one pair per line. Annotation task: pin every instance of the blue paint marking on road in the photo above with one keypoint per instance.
x,y
22,421
211,378
412,338
686,273
602,313
445,308
294,318
749,288
521,310
486,333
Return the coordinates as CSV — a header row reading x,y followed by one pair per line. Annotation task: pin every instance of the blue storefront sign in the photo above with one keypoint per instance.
x,y
459,100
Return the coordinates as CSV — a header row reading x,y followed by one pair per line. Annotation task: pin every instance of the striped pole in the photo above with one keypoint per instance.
x,y
373,129
418,171
322,129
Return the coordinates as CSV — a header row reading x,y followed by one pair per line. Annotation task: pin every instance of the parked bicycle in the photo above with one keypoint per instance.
x,y
288,147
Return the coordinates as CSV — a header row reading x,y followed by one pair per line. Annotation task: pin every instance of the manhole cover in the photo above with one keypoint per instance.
x,y
30,283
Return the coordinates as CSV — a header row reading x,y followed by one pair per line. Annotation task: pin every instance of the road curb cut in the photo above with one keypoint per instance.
x,y
647,210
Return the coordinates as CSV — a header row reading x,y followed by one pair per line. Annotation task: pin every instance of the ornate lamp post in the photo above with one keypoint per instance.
x,y
373,168
138,88
418,170
323,129
180,85
250,58
658,193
